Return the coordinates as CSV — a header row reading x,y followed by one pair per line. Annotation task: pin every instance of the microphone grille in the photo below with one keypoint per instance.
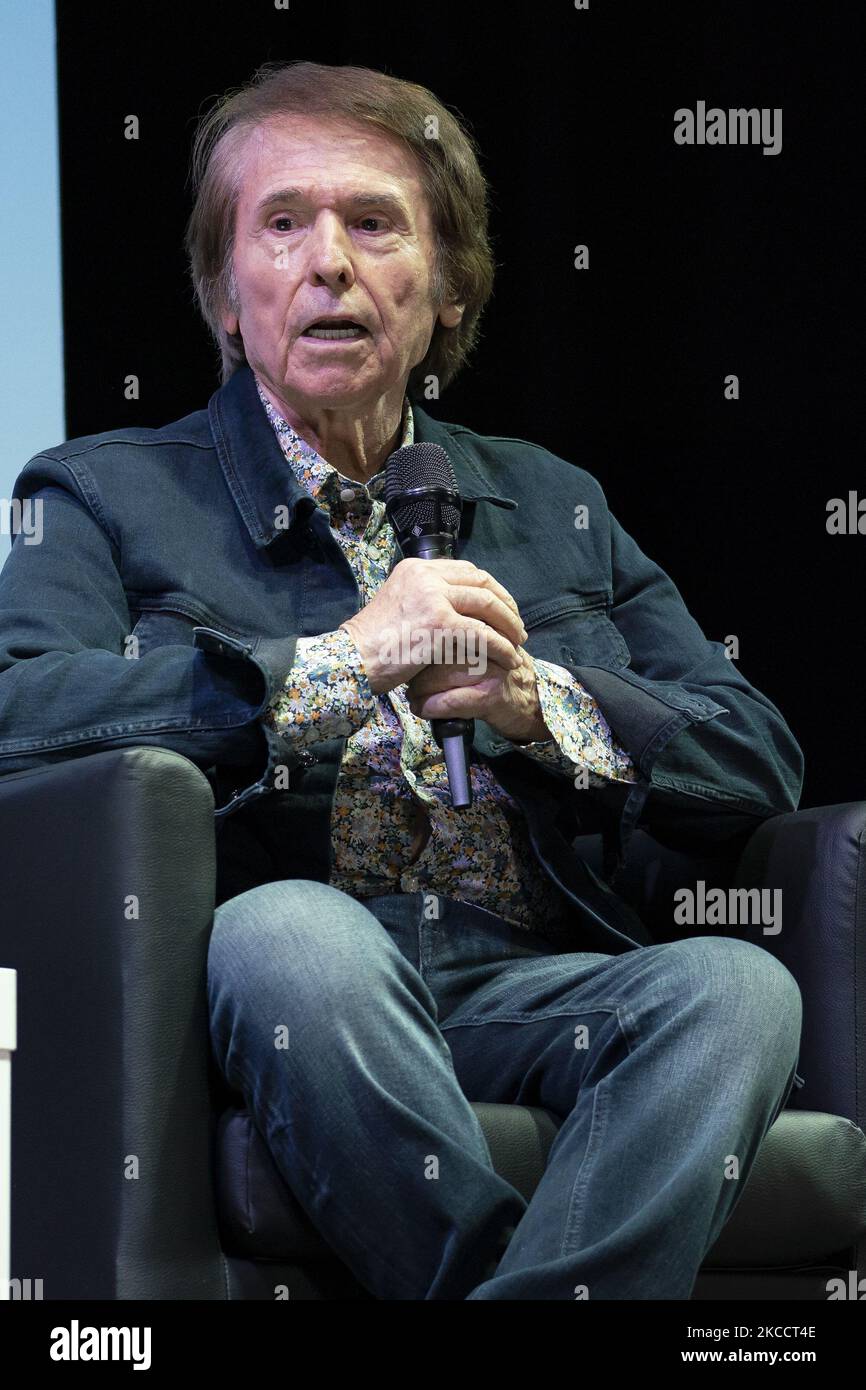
x,y
424,465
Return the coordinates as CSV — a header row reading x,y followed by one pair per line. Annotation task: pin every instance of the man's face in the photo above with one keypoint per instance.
x,y
319,251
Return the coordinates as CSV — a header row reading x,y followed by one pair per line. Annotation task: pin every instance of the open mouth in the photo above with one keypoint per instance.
x,y
335,330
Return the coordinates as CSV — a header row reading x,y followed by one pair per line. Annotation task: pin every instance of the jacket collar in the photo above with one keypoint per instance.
x,y
260,480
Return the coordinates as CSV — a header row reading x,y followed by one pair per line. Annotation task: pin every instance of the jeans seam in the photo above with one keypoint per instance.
x,y
597,1125
521,1016
576,1204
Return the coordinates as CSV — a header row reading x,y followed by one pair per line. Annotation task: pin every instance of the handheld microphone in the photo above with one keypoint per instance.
x,y
423,505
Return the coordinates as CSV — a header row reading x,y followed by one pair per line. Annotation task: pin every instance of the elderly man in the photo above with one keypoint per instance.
x,y
225,586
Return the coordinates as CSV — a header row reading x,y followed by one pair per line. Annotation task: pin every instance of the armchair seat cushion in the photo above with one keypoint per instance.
x,y
260,1217
804,1201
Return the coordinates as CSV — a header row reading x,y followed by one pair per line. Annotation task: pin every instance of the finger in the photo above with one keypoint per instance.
x,y
493,650
473,602
461,702
483,644
434,679
465,573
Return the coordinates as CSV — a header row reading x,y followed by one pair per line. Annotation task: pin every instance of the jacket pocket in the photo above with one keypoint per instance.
x,y
163,627
575,630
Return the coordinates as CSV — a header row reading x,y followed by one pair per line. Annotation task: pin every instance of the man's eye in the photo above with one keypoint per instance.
x,y
285,218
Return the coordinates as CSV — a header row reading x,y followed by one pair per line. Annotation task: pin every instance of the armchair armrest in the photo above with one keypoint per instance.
x,y
816,858
108,872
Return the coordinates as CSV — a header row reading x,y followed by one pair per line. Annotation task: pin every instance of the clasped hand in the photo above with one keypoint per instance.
x,y
428,597
507,699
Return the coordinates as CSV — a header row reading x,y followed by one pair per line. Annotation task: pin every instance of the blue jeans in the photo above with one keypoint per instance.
x,y
359,1032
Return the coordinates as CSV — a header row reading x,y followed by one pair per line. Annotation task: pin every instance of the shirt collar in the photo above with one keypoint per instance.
x,y
328,487
269,497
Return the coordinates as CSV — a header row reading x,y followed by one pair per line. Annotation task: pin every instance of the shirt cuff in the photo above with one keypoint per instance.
x,y
326,694
581,736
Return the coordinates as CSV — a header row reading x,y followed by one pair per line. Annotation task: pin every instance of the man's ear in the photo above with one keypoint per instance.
x,y
228,317
451,314
229,322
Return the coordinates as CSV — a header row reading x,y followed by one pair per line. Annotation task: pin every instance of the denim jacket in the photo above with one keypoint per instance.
x,y
196,540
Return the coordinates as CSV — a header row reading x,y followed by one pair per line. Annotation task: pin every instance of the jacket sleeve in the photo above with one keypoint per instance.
x,y
715,755
67,685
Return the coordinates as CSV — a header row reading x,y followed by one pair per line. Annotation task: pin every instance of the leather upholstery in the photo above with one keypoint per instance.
x,y
810,1163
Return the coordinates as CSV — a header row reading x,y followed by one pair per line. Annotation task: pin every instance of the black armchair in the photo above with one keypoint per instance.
x,y
137,1174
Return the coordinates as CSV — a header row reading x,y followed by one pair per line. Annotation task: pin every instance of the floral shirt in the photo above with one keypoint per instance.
x,y
394,829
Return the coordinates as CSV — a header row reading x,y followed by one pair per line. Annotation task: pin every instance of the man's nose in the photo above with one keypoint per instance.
x,y
329,251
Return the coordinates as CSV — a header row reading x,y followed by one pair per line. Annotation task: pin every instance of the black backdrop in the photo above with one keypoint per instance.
x,y
703,261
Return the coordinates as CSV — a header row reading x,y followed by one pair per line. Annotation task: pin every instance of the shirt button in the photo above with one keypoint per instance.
x,y
347,494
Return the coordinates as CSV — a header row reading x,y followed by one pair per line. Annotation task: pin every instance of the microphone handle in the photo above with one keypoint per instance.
x,y
454,737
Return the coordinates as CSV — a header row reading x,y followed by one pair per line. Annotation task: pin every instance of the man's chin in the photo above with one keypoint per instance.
x,y
337,382
330,386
